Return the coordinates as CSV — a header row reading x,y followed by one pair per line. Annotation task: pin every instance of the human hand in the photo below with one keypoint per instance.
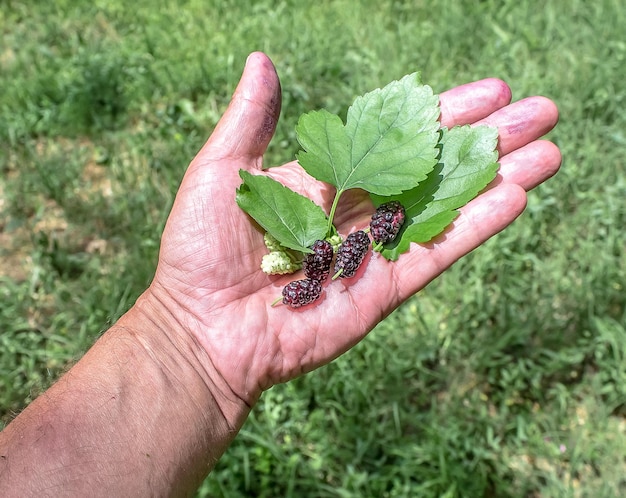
x,y
209,285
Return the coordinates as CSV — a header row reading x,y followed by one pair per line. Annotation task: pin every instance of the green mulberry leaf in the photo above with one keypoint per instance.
x,y
291,218
468,163
388,144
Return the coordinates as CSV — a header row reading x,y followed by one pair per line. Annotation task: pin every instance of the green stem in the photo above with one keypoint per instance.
x,y
338,274
332,212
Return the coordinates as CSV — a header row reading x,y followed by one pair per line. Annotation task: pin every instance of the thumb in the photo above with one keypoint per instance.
x,y
247,126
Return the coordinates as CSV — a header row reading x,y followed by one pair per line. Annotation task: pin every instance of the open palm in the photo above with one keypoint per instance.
x,y
209,277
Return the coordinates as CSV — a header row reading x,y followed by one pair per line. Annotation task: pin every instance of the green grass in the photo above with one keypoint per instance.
x,y
505,377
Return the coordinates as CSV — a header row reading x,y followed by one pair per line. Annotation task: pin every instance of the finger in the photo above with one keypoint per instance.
x,y
471,102
529,165
247,126
522,122
479,220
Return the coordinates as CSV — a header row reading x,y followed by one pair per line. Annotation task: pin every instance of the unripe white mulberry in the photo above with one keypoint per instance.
x,y
278,263
271,243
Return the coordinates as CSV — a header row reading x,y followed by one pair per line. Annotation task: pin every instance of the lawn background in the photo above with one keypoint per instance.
x,y
505,377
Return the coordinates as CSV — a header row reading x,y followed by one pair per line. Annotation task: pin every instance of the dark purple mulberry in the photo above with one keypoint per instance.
x,y
351,253
301,292
386,222
316,266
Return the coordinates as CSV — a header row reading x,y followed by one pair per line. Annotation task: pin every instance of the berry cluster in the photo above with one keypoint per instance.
x,y
385,225
316,266
386,222
351,254
301,292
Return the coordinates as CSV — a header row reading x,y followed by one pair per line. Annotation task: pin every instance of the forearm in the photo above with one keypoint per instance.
x,y
137,415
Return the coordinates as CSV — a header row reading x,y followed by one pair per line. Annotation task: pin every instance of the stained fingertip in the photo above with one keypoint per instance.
x,y
263,84
522,122
247,126
471,102
548,107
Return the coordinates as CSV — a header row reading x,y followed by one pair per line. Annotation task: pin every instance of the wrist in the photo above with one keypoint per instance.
x,y
165,337
138,402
